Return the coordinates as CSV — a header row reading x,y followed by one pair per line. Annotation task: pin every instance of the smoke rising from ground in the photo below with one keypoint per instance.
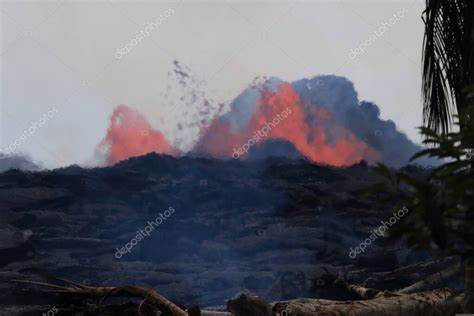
x,y
19,162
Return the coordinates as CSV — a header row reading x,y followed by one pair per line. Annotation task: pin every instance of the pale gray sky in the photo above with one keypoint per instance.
x,y
61,54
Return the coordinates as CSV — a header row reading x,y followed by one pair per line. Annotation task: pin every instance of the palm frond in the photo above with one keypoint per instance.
x,y
447,60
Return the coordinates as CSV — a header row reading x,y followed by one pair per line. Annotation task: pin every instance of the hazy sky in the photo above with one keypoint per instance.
x,y
61,56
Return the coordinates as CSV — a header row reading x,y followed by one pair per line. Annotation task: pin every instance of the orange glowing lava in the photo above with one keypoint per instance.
x,y
314,132
317,136
129,134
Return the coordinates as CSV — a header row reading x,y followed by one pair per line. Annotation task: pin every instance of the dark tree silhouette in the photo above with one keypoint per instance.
x,y
448,60
442,203
448,68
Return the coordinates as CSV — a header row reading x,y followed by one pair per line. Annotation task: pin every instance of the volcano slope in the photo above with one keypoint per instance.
x,y
281,229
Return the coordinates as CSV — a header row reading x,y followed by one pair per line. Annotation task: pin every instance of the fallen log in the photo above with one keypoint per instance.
x,y
356,290
437,278
440,302
402,277
146,294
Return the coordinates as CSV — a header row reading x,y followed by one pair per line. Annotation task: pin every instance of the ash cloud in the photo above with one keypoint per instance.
x,y
360,117
339,95
243,107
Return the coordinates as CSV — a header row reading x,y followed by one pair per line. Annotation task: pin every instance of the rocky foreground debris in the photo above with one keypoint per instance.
x,y
279,230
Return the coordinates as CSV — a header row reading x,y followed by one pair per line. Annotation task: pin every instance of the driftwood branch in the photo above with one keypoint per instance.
x,y
150,295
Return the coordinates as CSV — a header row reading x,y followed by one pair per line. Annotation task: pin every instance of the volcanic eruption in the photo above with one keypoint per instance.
x,y
316,136
319,118
130,134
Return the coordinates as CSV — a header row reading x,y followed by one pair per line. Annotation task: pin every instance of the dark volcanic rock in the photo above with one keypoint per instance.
x,y
274,227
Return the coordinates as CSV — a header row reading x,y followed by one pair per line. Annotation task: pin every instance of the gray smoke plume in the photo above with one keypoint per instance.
x,y
339,96
360,117
19,162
